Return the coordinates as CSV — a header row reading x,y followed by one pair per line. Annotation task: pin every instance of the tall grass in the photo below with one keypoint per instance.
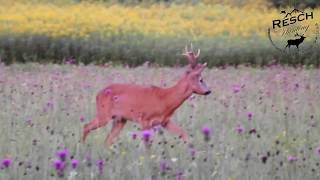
x,y
43,109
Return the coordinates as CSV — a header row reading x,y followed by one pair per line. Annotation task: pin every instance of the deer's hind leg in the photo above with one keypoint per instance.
x,y
103,117
92,125
118,124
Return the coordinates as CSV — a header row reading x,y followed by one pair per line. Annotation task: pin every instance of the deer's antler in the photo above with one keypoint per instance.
x,y
192,57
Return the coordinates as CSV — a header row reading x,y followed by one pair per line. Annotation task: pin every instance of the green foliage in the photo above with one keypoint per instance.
x,y
136,49
296,3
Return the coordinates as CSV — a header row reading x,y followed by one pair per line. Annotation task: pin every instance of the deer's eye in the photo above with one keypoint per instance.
x,y
201,80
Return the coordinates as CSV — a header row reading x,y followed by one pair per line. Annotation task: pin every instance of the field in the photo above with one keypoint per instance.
x,y
132,34
263,125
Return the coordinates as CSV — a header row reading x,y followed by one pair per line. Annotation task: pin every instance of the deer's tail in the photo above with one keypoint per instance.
x,y
103,103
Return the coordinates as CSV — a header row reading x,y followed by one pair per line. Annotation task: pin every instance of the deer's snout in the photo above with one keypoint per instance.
x,y
207,93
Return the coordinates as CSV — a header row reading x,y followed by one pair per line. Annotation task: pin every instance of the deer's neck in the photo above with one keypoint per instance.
x,y
176,95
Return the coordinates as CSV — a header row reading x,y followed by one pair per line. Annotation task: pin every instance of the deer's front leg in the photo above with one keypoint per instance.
x,y
175,129
116,128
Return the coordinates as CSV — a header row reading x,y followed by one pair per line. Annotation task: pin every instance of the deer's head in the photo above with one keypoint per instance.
x,y
301,36
193,73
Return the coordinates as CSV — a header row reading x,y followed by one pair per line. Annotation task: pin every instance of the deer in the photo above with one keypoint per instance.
x,y
149,106
295,42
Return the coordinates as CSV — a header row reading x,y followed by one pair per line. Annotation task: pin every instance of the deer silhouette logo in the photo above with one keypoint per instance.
x,y
296,42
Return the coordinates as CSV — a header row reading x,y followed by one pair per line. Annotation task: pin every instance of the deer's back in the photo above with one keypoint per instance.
x,y
134,101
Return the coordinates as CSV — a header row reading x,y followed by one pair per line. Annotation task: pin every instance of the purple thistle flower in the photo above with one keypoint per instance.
x,y
6,162
88,160
100,165
71,60
179,176
157,128
146,135
62,154
74,163
163,167
292,158
236,88
50,105
250,114
81,119
134,135
318,150
239,129
58,164
206,131
192,152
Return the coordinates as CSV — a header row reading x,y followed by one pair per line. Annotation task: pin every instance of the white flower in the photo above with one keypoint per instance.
x,y
174,159
72,174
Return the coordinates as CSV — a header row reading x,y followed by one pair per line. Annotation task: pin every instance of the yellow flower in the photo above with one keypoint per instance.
x,y
83,19
141,158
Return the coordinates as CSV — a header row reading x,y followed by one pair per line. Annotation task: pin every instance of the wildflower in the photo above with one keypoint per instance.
x,y
239,129
250,114
192,152
88,160
62,154
74,163
179,176
71,60
236,88
318,150
146,135
81,119
134,135
157,128
206,131
6,162
58,164
50,105
174,159
292,158
163,167
100,165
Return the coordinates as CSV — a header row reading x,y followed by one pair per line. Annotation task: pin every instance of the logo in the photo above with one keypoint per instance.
x,y
293,30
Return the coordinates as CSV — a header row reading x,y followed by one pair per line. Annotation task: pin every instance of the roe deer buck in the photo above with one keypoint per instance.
x,y
148,106
295,42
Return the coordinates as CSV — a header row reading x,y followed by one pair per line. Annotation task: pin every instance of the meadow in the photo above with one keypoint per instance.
x,y
96,32
259,123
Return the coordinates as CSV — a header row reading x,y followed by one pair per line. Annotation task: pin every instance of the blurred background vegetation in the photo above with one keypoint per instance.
x,y
230,32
